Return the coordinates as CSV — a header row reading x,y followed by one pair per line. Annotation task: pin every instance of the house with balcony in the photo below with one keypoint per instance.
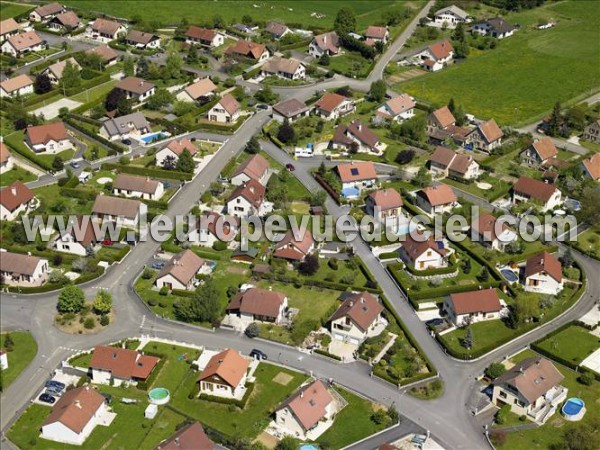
x,y
423,252
543,274
357,318
539,152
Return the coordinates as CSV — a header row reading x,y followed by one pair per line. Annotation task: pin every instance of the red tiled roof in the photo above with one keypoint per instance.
x,y
330,101
189,437
532,377
386,199
201,34
247,48
115,206
291,248
123,363
376,32
357,130
309,404
68,19
545,148
400,104
229,104
290,107
252,191
414,248
441,50
356,171
444,117
8,26
534,188
76,408
201,88
42,134
15,195
135,85
49,9
442,194
592,165
254,167
483,301
141,37
23,41
544,262
490,130
18,82
442,156
486,226
135,183
178,146
256,301
328,42
105,53
4,153
183,267
228,365
105,26
17,263
362,308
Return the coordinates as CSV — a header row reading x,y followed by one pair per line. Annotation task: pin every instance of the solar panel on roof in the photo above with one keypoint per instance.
x,y
354,171
440,245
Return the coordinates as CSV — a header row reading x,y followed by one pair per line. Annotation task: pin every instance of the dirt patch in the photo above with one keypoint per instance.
x,y
409,74
283,378
267,440
465,282
237,270
557,423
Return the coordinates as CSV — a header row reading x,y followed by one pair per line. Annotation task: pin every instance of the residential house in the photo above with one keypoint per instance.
x,y
437,199
67,21
441,119
248,50
6,159
19,44
486,136
83,239
423,252
136,88
224,375
55,71
259,305
75,415
277,30
125,212
107,55
397,109
17,86
227,110
308,413
105,30
447,163
247,257
543,274
532,389
465,308
591,167
8,28
436,56
325,44
539,152
333,106
385,206
44,13
295,249
117,366
204,36
22,270
291,110
142,40
248,200
188,437
592,132
287,69
528,190
376,34
357,318
15,199
357,175
122,127
138,187
48,138
169,155
358,135
212,227
200,91
496,27
254,168
180,272
450,16
487,230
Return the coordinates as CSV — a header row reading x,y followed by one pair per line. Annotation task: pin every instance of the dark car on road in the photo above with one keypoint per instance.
x,y
290,167
55,384
258,354
74,164
46,398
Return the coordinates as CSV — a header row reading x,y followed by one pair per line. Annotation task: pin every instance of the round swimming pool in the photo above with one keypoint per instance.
x,y
308,447
159,396
573,409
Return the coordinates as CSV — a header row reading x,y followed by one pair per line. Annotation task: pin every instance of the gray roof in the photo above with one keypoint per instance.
x,y
118,125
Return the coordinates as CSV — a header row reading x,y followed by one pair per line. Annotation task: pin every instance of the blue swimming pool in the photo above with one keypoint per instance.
x,y
350,192
406,228
153,137
510,276
573,409
308,447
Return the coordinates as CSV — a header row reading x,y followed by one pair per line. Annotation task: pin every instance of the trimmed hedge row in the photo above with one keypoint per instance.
x,y
319,283
295,45
388,255
326,354
325,185
153,173
38,98
429,272
118,148
230,129
251,74
78,193
29,155
183,293
231,401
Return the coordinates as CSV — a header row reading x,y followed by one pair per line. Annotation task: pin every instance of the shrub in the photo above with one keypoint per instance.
x,y
586,378
220,246
333,264
494,370
104,320
502,414
147,274
253,330
163,291
89,323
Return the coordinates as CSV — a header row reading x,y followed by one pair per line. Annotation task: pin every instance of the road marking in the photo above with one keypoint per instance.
x,y
143,321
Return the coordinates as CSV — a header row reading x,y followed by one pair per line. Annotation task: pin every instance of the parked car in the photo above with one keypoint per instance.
x,y
54,391
107,242
158,265
435,322
56,384
126,141
47,399
290,167
262,106
74,164
258,354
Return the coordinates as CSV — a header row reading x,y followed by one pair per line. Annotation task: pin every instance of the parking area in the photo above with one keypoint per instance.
x,y
60,377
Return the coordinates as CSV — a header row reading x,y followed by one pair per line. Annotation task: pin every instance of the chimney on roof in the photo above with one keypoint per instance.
x,y
359,126
13,190
87,387
270,288
301,394
177,441
351,303
325,39
78,404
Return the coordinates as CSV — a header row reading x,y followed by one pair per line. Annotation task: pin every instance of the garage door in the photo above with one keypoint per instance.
x,y
338,337
354,341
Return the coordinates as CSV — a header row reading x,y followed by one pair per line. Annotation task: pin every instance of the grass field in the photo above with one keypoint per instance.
x,y
526,74
15,174
24,350
171,12
574,344
587,242
10,9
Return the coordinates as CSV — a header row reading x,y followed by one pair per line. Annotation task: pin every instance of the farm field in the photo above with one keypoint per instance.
x,y
10,9
367,12
505,83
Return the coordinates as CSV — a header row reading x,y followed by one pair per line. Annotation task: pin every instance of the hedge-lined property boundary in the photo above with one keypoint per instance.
x,y
150,172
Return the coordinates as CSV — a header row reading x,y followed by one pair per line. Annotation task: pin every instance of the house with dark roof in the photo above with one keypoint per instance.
x,y
333,106
441,119
491,233
227,110
83,239
125,212
44,13
25,42
449,17
357,318
464,308
15,199
212,227
527,190
142,40
532,389
423,252
277,30
135,186
437,199
22,270
19,85
358,135
385,206
188,437
592,132
171,153
445,162
181,270
122,127
258,305
486,136
204,36
397,109
435,57
539,152
291,110
325,44
248,200
254,168
67,21
115,365
543,274
496,27
591,167
75,415
224,376
104,30
307,413
294,248
8,27
136,88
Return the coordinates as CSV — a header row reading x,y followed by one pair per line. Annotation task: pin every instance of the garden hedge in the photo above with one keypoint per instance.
x,y
326,354
73,123
231,401
149,172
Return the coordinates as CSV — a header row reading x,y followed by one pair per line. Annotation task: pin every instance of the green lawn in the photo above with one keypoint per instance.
x,y
94,93
266,396
351,64
574,344
174,369
15,141
499,187
12,9
527,73
587,242
15,174
84,360
24,350
50,198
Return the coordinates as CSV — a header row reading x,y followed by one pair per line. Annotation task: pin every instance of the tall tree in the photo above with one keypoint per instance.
x,y
590,212
555,121
70,300
286,133
377,91
42,84
345,21
160,99
70,76
103,302
129,67
113,99
173,66
422,178
185,163
252,146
